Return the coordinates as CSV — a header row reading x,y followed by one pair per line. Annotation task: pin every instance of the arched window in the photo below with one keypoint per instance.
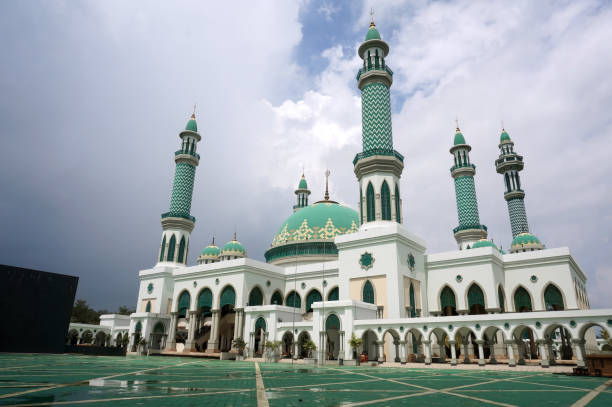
x,y
333,295
476,302
163,249
385,197
138,327
508,187
205,301
368,293
159,328
360,204
260,324
171,247
518,181
448,304
522,300
332,322
412,302
228,296
277,298
294,300
370,208
313,296
398,206
553,298
183,304
148,307
181,252
500,296
255,297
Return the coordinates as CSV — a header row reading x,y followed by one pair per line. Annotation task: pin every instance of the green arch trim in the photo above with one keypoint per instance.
x,y
412,302
368,292
228,296
205,299
332,322
138,327
447,298
522,300
184,303
181,252
398,206
334,294
370,209
255,297
500,296
294,300
260,324
385,196
171,247
163,249
313,296
159,328
277,298
552,297
148,307
475,296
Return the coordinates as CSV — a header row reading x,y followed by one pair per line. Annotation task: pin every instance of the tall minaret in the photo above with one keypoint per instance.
x,y
469,230
509,164
177,224
378,167
302,193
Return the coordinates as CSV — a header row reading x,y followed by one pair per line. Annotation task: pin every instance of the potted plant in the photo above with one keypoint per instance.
x,y
272,351
142,343
310,347
355,343
240,344
125,340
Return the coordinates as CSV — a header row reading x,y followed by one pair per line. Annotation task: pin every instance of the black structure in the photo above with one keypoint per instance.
x,y
35,307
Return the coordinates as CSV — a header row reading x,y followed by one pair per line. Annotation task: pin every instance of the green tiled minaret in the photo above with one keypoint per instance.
x,y
378,167
178,223
469,230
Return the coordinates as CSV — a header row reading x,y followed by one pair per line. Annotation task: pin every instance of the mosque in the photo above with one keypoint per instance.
x,y
332,272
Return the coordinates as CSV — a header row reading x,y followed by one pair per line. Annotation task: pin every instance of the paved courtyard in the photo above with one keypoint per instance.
x,y
40,380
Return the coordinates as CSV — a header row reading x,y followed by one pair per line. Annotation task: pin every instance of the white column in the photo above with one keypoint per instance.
x,y
171,342
295,348
427,346
189,343
380,351
510,347
322,347
481,361
214,332
578,344
551,353
453,353
492,360
466,355
543,354
341,354
402,352
251,347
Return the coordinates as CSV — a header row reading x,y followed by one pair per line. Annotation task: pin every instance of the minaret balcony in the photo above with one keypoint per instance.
x,y
173,221
463,170
174,215
372,161
374,68
187,156
515,193
469,227
509,162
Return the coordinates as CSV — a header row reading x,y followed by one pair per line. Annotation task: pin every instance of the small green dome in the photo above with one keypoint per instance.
x,y
233,248
504,136
210,251
526,240
459,139
303,184
192,125
373,33
484,243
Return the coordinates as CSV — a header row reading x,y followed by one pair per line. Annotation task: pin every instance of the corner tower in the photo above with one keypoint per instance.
x,y
509,164
178,223
302,193
469,230
378,167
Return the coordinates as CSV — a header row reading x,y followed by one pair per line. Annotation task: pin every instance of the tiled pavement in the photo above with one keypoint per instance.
x,y
39,380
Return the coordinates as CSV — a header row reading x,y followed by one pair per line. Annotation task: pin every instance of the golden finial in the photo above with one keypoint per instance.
x,y
457,123
372,18
327,172
302,171
503,128
193,114
213,242
235,236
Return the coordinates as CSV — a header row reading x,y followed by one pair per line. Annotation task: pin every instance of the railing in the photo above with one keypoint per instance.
x,y
374,68
454,167
187,152
466,227
174,215
370,153
510,158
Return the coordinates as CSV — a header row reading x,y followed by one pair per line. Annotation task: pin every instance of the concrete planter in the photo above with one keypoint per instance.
x,y
228,356
351,362
239,357
310,361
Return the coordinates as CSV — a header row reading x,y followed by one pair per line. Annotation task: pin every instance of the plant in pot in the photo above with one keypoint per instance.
x,y
273,350
142,343
355,343
125,340
310,347
240,344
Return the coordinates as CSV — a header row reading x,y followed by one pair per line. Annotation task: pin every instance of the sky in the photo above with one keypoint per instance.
x,y
93,95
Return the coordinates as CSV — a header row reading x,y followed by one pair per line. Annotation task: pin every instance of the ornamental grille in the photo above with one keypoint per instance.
x,y
467,206
368,292
294,300
228,297
447,298
182,190
313,296
183,303
255,297
475,296
518,216
522,300
376,117
205,299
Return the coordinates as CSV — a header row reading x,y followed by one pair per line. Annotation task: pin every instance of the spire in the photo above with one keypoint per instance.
x,y
235,240
327,172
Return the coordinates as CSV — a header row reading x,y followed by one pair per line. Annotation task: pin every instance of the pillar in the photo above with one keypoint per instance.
x,y
402,352
322,346
251,347
427,346
380,351
520,346
214,331
296,348
341,354
551,353
481,361
442,347
453,353
397,356
466,345
492,360
510,347
543,354
579,351
189,343
171,342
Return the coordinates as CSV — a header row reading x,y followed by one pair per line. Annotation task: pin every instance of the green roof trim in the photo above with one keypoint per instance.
x,y
233,247
210,251
373,33
504,136
484,243
525,239
192,125
303,184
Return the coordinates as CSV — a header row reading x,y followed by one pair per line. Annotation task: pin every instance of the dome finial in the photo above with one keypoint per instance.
x,y
235,240
372,18
193,114
503,128
213,241
327,172
457,123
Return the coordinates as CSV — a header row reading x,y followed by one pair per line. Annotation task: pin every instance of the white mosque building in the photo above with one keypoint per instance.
x,y
332,272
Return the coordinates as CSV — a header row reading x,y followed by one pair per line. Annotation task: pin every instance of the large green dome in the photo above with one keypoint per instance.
x,y
504,136
484,243
303,184
192,125
210,251
316,225
525,242
459,139
233,248
373,33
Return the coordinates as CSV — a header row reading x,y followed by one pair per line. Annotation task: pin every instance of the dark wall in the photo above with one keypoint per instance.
x,y
35,307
